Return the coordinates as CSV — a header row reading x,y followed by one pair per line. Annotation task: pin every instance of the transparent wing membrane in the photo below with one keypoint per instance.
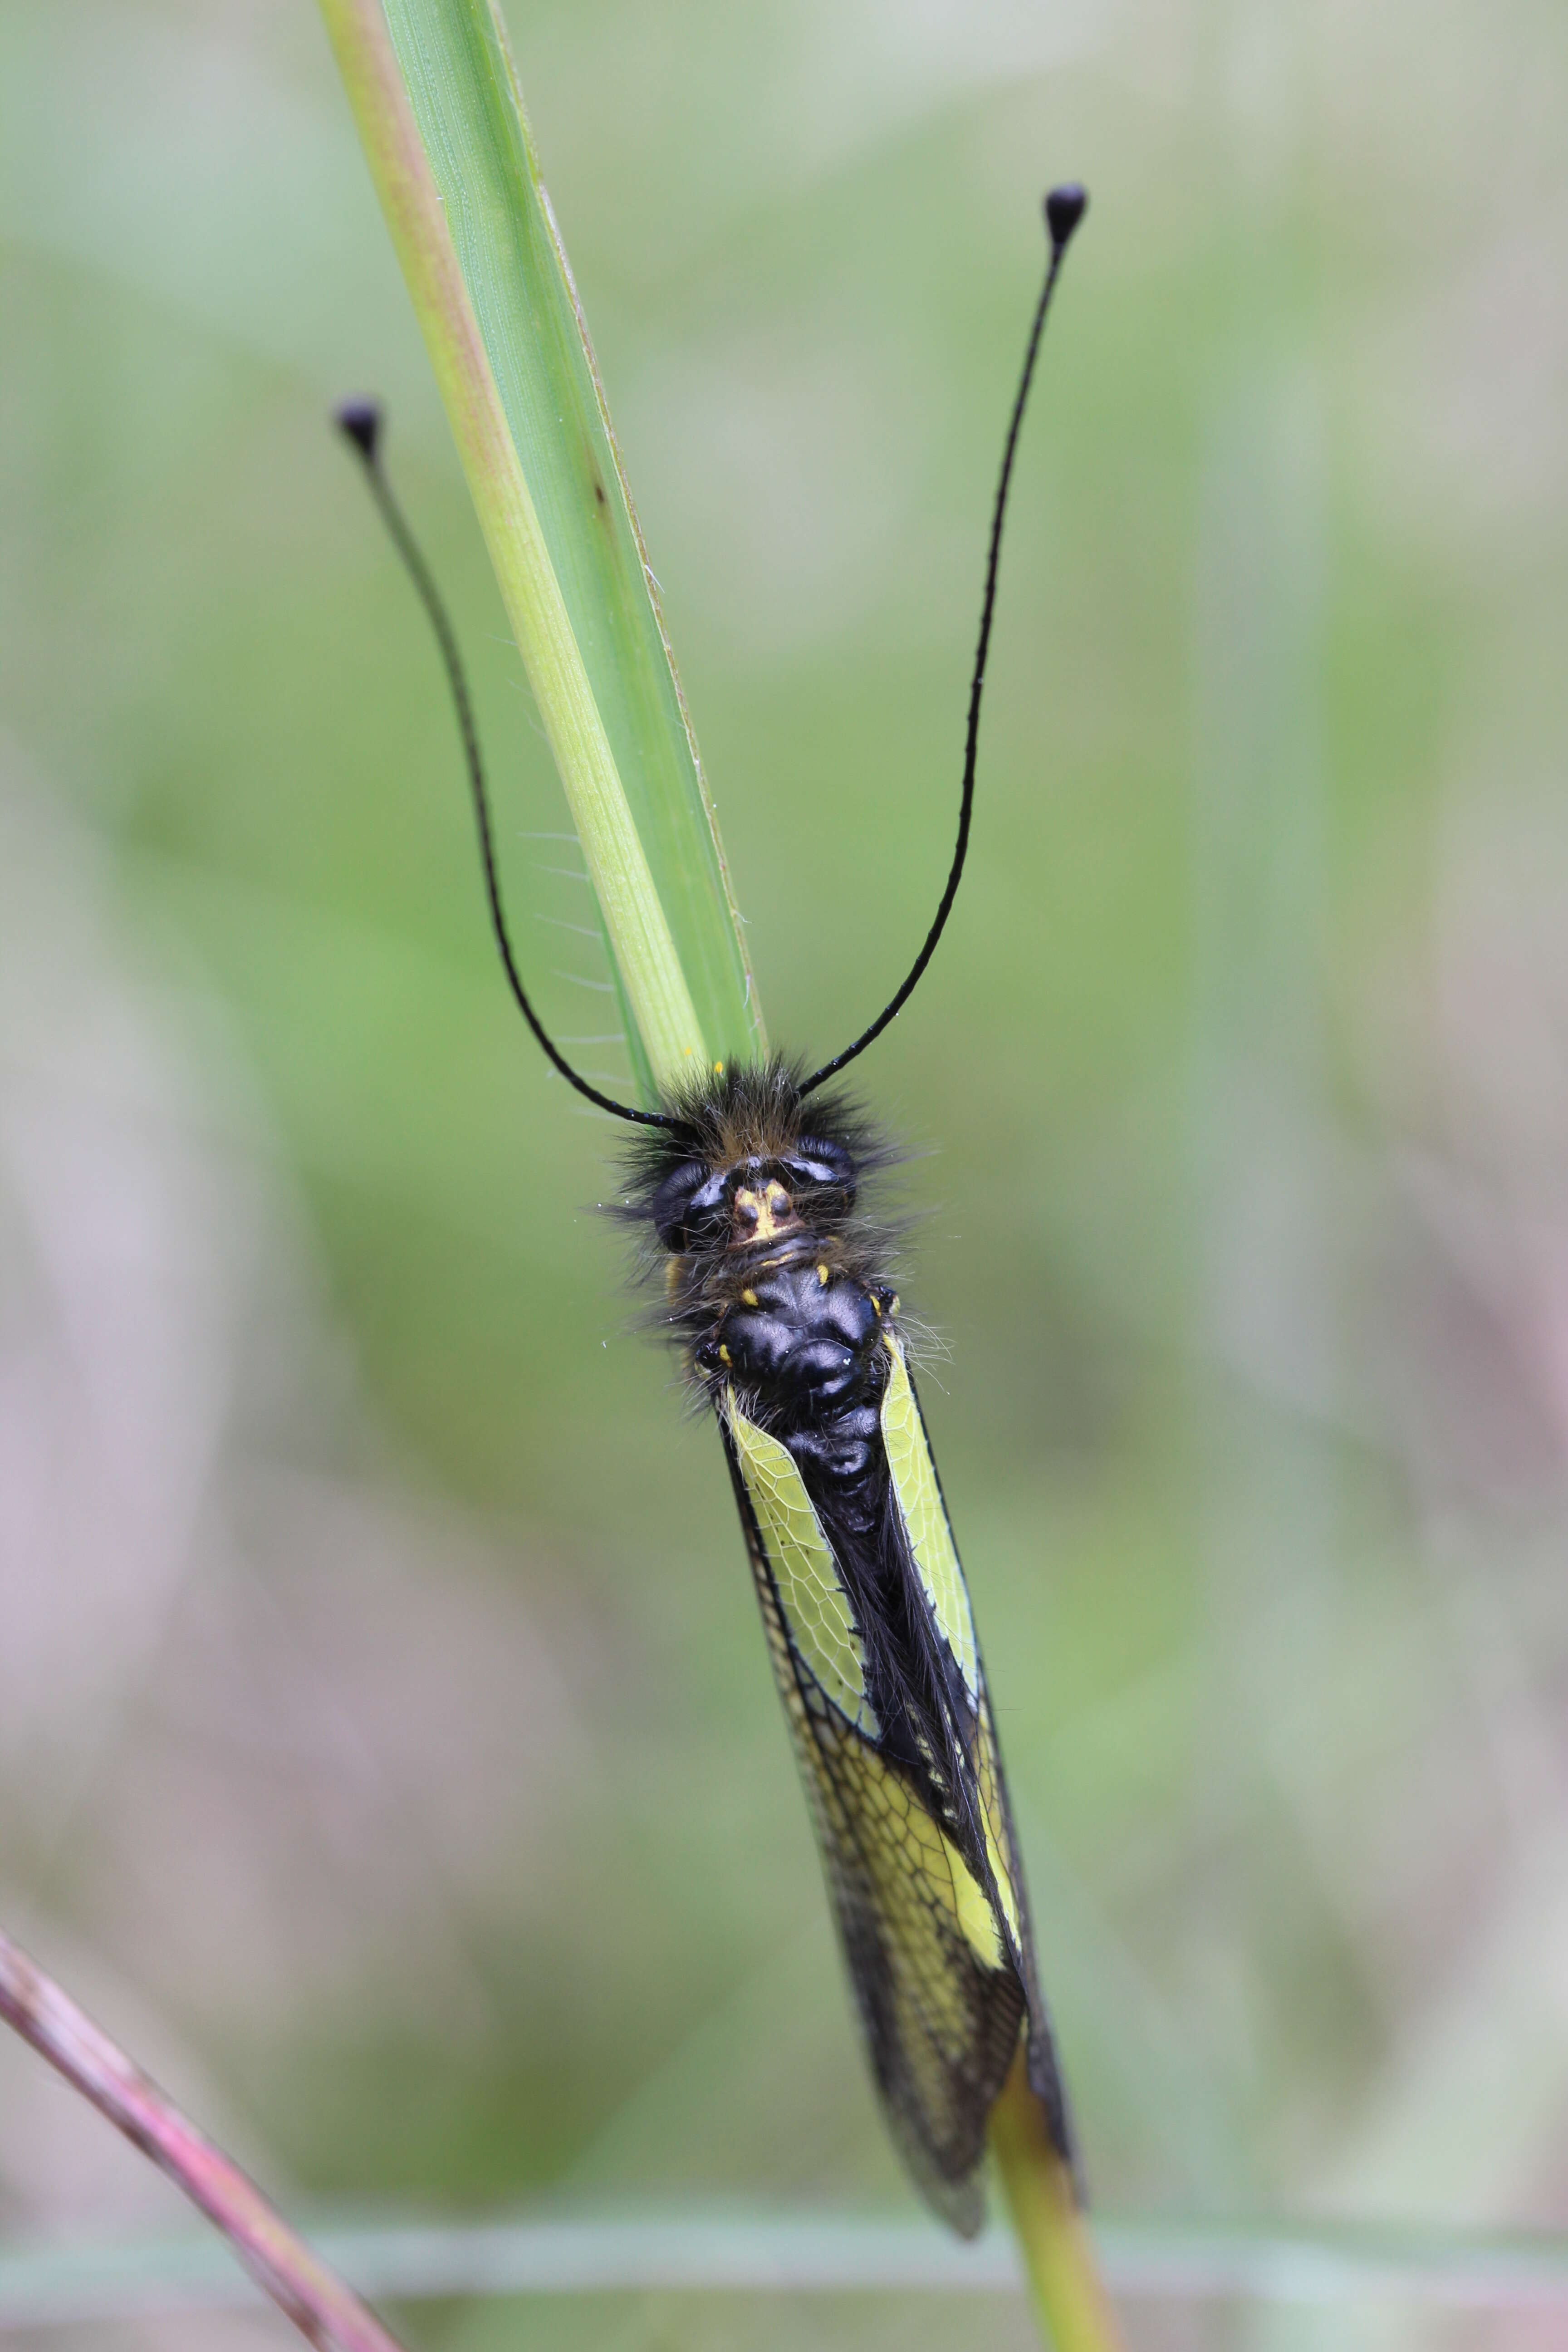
x,y
932,1945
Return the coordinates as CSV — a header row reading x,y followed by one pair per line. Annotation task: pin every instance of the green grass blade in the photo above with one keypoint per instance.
x,y
440,114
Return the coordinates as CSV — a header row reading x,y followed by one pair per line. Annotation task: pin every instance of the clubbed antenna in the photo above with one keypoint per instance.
x,y
360,423
1063,208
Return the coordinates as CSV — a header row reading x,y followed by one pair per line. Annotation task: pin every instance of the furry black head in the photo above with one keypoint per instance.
x,y
747,1162
749,1182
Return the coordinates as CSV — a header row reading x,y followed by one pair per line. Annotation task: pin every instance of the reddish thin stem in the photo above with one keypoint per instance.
x,y
322,2308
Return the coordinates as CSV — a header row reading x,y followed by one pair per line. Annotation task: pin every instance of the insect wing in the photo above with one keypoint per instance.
x,y
925,1517
939,2000
811,1599
912,1468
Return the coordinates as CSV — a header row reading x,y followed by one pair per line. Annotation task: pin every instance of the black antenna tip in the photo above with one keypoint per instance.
x,y
359,421
1065,207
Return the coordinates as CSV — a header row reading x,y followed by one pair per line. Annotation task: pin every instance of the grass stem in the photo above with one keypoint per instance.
x,y
1065,2286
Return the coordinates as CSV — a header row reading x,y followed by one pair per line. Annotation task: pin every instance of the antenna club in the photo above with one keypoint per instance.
x,y
1063,208
360,421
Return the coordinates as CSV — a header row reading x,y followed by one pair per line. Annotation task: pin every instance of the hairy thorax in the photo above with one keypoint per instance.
x,y
801,1338
774,1282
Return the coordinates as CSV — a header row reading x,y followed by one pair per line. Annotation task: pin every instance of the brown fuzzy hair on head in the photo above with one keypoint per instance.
x,y
749,1121
753,1116
742,1128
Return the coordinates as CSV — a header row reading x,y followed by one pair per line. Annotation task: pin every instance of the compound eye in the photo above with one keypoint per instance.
x,y
688,1207
825,1166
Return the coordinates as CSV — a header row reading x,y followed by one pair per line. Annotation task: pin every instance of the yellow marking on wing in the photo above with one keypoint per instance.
x,y
972,1906
811,1594
920,1500
914,1920
922,1891
998,1848
974,1914
939,2002
824,1277
921,1879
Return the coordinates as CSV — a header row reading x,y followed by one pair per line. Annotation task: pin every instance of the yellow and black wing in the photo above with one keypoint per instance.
x,y
926,1893
934,1556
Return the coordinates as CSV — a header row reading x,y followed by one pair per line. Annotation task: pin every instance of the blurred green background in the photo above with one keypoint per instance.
x,y
387,1748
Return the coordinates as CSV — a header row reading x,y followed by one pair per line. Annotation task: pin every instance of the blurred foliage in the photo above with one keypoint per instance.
x,y
383,1708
